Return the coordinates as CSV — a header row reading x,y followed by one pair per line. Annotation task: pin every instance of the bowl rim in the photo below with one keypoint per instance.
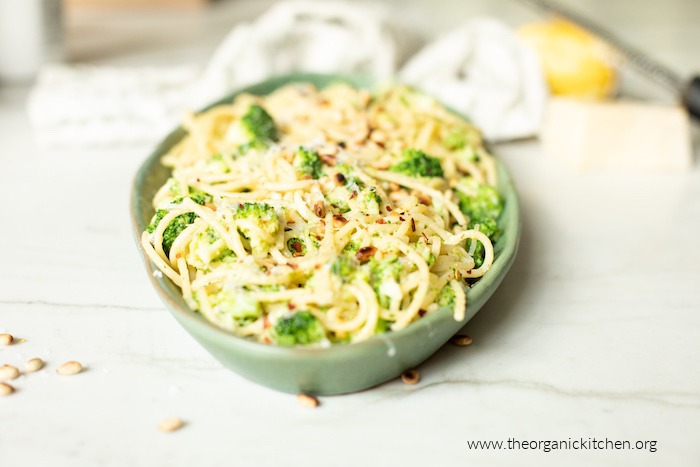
x,y
505,257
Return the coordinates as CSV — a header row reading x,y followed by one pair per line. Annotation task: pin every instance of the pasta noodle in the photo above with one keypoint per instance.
x,y
311,217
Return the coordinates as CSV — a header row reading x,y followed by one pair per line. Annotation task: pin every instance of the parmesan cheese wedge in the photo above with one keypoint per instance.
x,y
617,135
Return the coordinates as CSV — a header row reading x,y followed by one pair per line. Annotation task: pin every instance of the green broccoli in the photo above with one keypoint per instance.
x,y
178,224
296,246
372,200
455,140
483,209
217,164
345,267
351,248
383,326
265,217
237,304
334,198
446,297
350,181
206,248
174,188
255,129
308,163
384,277
486,203
416,163
299,328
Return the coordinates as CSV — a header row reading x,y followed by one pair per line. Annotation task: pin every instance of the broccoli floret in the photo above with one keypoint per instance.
x,y
335,200
265,218
351,248
483,209
174,188
384,276
455,140
308,162
259,125
207,247
178,224
416,163
446,297
351,182
237,304
198,197
217,164
296,246
371,200
485,204
255,129
383,326
346,193
345,267
300,328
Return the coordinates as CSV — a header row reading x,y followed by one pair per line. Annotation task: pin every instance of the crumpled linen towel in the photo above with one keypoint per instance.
x,y
312,36
482,70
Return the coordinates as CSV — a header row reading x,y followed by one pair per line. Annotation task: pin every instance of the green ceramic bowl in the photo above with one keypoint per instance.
x,y
341,368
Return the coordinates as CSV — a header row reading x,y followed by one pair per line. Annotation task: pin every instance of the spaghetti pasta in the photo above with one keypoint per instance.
x,y
311,217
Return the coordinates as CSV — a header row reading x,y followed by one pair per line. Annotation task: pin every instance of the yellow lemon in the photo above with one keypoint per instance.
x,y
575,62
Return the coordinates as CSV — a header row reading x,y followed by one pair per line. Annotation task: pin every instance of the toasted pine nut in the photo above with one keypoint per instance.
x,y
70,368
6,339
320,209
170,424
365,253
6,389
461,341
339,221
34,364
8,372
307,400
410,377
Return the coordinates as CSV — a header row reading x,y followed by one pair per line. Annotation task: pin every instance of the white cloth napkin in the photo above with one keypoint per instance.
x,y
313,36
482,70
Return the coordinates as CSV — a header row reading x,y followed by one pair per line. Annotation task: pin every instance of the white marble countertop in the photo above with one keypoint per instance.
x,y
593,334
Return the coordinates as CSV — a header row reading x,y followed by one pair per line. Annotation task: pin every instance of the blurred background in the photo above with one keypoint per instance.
x,y
157,58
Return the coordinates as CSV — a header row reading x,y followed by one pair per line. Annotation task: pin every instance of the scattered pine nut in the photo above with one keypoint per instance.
x,y
307,400
6,389
34,364
410,377
461,341
8,372
170,424
70,368
6,339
